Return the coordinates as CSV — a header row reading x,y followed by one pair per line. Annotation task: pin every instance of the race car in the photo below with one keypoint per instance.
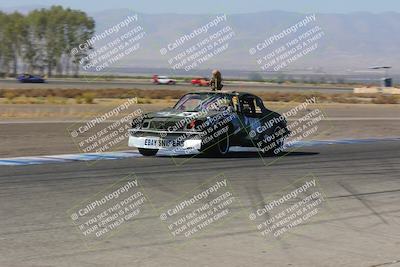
x,y
211,123
28,78
200,82
162,80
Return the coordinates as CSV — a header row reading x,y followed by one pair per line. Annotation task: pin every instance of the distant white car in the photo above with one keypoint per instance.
x,y
162,80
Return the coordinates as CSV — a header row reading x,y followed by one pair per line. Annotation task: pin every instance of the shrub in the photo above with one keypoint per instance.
x,y
385,99
78,99
88,97
144,101
10,96
56,100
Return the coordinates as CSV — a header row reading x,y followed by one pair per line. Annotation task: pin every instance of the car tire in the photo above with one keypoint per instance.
x,y
220,147
278,142
148,152
223,144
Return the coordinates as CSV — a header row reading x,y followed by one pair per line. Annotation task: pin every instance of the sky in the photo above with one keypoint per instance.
x,y
216,6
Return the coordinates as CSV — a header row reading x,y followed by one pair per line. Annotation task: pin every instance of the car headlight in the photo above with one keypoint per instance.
x,y
139,123
146,124
194,124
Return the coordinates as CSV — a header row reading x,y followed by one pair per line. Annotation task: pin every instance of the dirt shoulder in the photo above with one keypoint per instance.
x,y
72,111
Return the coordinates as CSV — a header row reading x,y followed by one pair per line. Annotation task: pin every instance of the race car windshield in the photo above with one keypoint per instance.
x,y
199,102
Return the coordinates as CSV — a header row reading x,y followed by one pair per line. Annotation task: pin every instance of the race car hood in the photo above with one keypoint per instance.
x,y
173,114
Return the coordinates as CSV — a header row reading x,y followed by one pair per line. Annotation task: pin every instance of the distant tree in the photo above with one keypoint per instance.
x,y
35,41
2,48
81,28
281,78
43,40
11,41
255,76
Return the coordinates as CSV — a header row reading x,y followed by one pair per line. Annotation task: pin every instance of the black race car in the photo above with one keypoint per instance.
x,y
210,122
28,78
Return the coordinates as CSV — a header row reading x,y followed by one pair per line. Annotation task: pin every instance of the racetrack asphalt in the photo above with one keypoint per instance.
x,y
360,225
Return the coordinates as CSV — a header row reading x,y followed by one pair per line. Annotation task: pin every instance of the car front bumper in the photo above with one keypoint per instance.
x,y
164,140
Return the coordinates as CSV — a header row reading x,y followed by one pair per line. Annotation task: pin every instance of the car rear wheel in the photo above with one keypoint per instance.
x,y
148,152
278,141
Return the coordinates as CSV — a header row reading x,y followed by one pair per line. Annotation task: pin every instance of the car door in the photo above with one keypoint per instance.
x,y
250,114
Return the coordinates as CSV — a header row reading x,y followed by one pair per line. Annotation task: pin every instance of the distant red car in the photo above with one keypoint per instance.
x,y
201,81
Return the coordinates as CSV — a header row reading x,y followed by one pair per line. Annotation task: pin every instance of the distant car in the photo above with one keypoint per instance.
x,y
28,78
210,122
201,81
163,80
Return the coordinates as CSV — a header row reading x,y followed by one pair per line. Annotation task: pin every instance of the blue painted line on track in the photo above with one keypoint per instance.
x,y
20,161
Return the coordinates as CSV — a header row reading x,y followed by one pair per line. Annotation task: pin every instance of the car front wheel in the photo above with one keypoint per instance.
x,y
220,147
148,152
